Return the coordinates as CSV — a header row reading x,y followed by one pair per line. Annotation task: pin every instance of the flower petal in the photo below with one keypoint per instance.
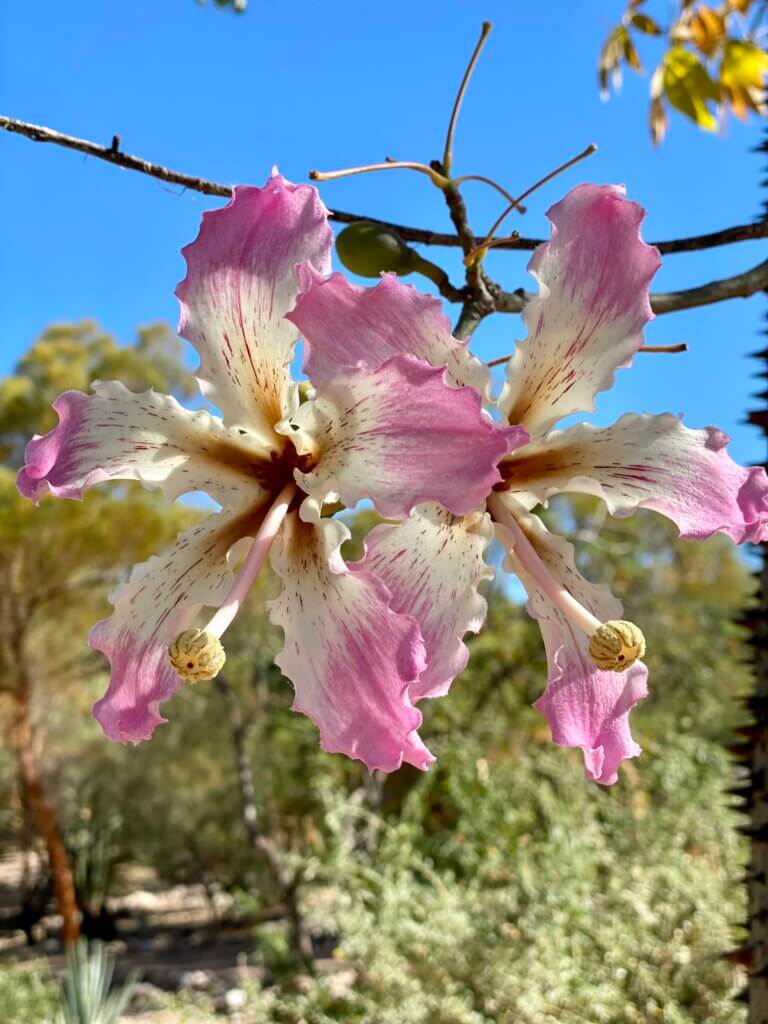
x,y
240,283
399,436
350,657
162,598
585,707
588,317
433,563
345,326
115,434
645,461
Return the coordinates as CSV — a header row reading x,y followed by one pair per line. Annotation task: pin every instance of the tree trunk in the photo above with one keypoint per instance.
x,y
754,753
41,812
286,883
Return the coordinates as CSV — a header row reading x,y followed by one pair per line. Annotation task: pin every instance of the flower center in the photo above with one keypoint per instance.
x,y
278,472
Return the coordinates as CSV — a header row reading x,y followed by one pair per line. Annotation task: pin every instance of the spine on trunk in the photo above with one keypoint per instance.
x,y
751,755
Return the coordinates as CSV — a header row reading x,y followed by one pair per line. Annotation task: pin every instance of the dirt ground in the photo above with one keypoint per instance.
x,y
186,943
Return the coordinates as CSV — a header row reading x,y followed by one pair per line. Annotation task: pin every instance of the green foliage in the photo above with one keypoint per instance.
x,y
87,996
28,996
712,56
687,85
540,900
70,356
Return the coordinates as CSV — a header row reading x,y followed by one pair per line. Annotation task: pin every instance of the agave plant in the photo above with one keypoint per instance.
x,y
85,989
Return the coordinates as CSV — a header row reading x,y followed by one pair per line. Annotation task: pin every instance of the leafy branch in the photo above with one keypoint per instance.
x,y
713,57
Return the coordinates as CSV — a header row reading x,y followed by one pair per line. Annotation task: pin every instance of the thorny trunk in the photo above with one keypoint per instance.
x,y
757,796
41,812
754,754
287,883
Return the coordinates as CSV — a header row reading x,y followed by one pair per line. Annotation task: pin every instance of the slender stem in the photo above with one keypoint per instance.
x,y
490,241
526,555
262,542
448,151
439,277
669,349
388,165
494,184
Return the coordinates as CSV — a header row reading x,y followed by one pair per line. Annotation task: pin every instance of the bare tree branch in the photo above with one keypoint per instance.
x,y
740,286
655,349
114,155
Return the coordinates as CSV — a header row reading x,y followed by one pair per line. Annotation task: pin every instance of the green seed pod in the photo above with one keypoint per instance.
x,y
370,249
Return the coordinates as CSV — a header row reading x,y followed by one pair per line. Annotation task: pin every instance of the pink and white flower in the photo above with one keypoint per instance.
x,y
585,323
392,426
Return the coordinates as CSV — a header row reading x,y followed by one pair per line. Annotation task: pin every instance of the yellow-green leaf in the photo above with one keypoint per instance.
x,y
742,75
611,57
657,120
630,53
645,24
707,30
688,86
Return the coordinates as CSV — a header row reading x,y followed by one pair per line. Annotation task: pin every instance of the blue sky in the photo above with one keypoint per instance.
x,y
325,85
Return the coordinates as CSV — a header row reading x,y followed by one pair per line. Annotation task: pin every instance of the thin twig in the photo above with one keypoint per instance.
x,y
493,184
666,349
423,236
388,165
490,241
439,277
669,349
448,152
114,156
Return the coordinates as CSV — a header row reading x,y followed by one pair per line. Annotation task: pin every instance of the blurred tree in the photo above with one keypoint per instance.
x,y
713,57
70,356
58,562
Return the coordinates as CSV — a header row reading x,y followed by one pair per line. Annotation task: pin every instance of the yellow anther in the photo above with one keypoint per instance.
x,y
196,655
616,645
